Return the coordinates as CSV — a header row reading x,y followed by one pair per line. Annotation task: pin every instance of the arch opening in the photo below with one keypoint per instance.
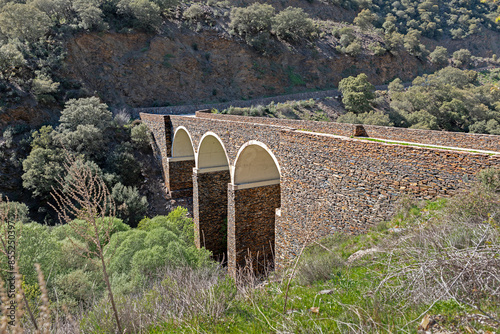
x,y
182,146
254,199
211,153
255,164
210,183
179,167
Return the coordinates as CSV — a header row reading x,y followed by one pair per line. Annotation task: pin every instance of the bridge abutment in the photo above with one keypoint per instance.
x,y
251,225
210,209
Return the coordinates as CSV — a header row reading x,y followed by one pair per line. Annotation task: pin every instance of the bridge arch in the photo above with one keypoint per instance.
x,y
211,152
255,162
179,167
254,200
210,187
182,146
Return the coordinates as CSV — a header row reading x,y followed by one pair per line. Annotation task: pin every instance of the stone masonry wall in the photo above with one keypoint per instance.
x,y
232,134
210,210
332,184
251,226
428,137
329,184
180,178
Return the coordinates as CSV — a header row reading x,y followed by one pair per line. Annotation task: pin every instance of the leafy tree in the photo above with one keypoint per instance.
x,y
86,139
251,20
395,86
159,242
58,10
193,13
354,49
11,60
147,14
439,56
357,93
412,43
141,137
365,19
89,14
292,24
124,164
462,58
43,84
41,169
85,111
130,206
23,21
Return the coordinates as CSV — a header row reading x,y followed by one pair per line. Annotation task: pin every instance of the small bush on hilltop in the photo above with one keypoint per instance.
x,y
292,24
252,20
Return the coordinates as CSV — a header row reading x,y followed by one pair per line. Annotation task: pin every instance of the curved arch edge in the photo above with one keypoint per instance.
x,y
185,157
254,184
197,153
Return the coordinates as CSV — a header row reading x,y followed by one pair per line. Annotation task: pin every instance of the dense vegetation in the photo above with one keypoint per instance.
x,y
113,147
436,260
450,99
432,258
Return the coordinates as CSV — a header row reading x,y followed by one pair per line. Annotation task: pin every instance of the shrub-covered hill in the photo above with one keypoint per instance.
x,y
157,52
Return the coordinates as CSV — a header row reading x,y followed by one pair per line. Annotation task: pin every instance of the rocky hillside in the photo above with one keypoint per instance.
x,y
186,67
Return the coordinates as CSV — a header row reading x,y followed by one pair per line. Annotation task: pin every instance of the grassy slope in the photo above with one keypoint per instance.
x,y
359,300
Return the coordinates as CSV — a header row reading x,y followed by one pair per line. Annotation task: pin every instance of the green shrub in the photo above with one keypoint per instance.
x,y
439,56
141,137
124,164
15,211
130,206
365,19
357,93
41,169
163,241
462,58
89,14
85,111
23,21
146,14
11,59
293,24
86,139
196,13
490,178
176,221
251,20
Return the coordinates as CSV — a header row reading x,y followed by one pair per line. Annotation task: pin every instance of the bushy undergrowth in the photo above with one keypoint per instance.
x,y
433,258
303,109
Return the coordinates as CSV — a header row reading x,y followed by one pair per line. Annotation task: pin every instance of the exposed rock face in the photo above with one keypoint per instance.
x,y
146,70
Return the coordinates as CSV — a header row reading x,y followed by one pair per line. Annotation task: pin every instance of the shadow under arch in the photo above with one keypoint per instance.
x,y
210,183
254,198
179,167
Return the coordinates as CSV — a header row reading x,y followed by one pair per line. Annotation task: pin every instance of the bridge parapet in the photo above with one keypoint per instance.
x,y
427,137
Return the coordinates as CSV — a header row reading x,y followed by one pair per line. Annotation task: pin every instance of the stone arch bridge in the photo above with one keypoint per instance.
x,y
263,186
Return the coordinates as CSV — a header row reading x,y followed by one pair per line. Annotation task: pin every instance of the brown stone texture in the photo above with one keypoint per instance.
x,y
334,184
329,183
180,178
251,226
210,210
428,137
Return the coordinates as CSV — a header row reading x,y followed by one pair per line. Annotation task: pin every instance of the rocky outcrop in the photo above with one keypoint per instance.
x,y
187,67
